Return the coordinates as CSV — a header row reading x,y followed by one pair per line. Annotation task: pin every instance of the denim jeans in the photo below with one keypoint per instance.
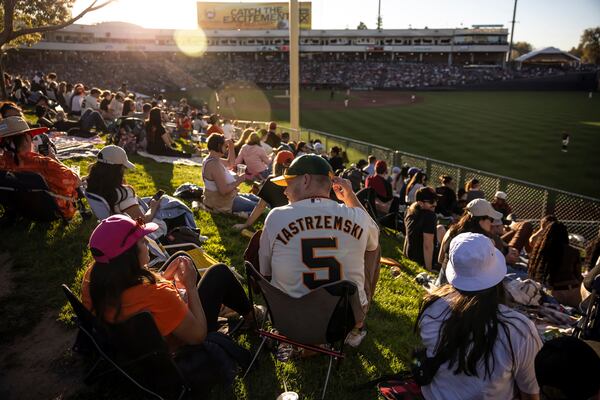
x,y
91,119
245,202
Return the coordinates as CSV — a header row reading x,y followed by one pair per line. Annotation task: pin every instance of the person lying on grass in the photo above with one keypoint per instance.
x,y
118,285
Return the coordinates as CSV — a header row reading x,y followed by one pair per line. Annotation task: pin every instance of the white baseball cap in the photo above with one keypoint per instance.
x,y
318,147
501,195
114,155
482,208
474,263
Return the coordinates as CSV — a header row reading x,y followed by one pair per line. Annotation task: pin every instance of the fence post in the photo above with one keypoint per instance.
x,y
397,159
550,202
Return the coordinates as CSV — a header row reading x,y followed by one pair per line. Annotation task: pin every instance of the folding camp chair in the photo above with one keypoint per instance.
x,y
392,220
588,327
27,194
159,252
322,317
134,348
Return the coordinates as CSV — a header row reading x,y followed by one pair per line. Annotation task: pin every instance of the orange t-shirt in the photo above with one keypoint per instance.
x,y
161,300
60,179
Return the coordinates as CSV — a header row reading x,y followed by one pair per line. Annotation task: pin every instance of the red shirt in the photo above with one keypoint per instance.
x,y
60,179
381,186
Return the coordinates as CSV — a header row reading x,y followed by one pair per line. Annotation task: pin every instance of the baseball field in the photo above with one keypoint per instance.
x,y
515,134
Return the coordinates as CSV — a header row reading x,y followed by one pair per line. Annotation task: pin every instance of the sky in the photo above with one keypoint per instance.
x,y
542,23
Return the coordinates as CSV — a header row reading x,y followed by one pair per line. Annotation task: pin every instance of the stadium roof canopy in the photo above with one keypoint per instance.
x,y
552,52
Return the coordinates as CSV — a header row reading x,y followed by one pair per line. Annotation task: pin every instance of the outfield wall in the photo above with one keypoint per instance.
x,y
584,81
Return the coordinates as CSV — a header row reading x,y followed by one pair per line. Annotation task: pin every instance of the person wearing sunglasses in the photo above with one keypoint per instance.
x,y
118,285
478,217
422,233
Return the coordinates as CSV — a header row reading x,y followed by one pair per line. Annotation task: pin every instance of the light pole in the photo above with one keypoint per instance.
x,y
294,50
379,16
512,31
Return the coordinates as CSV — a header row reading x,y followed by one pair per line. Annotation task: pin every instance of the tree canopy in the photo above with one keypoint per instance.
x,y
23,21
362,26
589,45
520,48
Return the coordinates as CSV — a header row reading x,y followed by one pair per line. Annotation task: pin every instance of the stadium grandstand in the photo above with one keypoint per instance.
x,y
359,59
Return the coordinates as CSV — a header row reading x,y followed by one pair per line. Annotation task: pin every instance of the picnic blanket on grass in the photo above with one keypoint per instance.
x,y
194,161
75,147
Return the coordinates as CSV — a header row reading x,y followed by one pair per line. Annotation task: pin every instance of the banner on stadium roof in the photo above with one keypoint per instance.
x,y
257,16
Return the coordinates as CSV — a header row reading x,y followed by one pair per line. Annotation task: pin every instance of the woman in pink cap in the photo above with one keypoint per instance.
x,y
118,285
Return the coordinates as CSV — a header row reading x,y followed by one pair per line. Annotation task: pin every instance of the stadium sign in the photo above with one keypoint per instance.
x,y
257,16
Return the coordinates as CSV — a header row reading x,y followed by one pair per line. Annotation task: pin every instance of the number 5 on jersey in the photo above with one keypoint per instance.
x,y
330,263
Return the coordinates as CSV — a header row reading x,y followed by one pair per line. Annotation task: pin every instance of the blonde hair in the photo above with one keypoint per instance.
x,y
253,139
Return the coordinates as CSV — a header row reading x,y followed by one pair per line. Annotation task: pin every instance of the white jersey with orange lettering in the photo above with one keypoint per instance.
x,y
316,241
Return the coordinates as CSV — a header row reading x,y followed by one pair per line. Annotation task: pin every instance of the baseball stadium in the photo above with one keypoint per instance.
x,y
173,182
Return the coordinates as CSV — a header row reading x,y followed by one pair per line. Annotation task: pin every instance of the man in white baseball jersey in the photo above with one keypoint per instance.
x,y
314,240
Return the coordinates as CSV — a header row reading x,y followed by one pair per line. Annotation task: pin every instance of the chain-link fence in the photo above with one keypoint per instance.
x,y
581,214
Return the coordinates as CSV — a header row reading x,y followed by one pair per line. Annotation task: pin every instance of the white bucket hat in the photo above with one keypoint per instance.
x,y
474,263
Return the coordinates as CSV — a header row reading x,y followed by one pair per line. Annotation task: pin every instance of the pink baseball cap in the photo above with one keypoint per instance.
x,y
117,234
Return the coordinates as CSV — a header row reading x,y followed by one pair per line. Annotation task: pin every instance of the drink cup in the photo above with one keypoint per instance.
x,y
288,396
241,169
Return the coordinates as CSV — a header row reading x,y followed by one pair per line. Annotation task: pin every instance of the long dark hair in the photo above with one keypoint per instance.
x,y
128,106
154,120
12,144
470,328
468,223
417,178
109,280
547,253
106,180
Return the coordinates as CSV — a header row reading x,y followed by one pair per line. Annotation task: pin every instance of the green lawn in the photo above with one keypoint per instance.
x,y
516,134
47,255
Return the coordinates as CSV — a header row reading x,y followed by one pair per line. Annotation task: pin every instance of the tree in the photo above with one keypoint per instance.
x,y
22,22
576,51
519,49
361,26
590,45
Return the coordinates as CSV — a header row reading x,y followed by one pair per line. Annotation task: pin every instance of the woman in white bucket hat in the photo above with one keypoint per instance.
x,y
481,348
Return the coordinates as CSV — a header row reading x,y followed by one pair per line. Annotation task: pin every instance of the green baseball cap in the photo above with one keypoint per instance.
x,y
310,164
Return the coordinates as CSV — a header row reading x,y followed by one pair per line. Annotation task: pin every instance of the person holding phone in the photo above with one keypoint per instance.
x,y
107,180
314,240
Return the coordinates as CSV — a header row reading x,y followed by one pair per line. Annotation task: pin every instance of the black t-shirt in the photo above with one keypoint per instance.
x,y
336,163
417,223
155,143
446,204
272,194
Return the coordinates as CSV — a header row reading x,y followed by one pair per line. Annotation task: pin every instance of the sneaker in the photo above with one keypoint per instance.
x,y
356,336
202,238
259,315
284,352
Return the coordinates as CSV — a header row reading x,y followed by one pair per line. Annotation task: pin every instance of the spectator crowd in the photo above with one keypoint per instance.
x,y
156,73
324,221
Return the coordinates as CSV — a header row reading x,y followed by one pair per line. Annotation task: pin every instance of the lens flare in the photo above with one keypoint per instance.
x,y
241,100
191,42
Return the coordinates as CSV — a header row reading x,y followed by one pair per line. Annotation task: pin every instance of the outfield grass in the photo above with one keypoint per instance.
x,y
516,134
47,255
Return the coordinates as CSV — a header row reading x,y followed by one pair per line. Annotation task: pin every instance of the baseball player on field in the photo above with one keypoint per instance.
x,y
314,240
